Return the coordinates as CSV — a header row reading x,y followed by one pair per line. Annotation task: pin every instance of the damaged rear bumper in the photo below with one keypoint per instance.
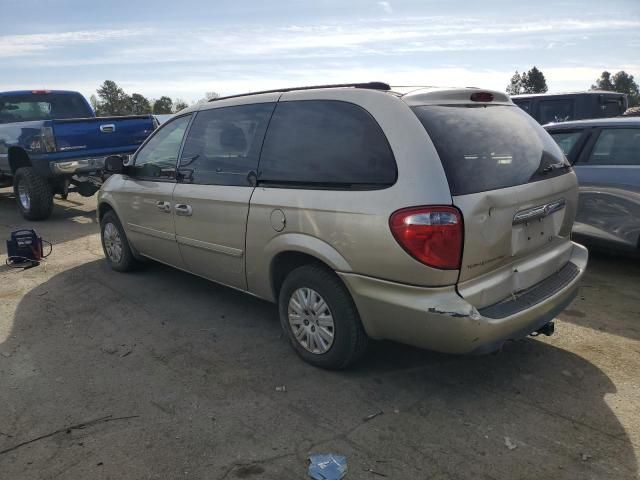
x,y
440,319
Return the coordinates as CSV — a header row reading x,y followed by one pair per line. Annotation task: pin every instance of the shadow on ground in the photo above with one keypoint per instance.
x,y
70,219
201,368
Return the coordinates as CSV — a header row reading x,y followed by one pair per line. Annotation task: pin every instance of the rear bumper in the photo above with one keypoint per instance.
x,y
74,162
440,319
81,165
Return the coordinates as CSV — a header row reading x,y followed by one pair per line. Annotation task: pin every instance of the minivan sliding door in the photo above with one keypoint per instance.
x,y
216,177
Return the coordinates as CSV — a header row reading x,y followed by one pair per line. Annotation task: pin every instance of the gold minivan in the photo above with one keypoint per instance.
x,y
439,218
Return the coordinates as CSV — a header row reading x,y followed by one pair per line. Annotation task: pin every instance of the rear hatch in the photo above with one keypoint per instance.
x,y
104,133
515,190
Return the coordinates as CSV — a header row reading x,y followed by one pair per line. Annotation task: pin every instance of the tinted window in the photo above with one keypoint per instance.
x,y
326,144
489,147
157,158
619,146
611,106
566,140
524,105
23,108
555,111
223,144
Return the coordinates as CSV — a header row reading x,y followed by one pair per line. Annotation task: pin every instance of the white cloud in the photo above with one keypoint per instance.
x,y
20,45
365,37
386,6
186,63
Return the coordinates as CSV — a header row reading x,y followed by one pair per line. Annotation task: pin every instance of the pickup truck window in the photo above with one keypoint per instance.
x,y
30,107
158,157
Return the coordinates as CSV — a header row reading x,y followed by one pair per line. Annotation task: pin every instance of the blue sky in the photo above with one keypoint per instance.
x,y
188,47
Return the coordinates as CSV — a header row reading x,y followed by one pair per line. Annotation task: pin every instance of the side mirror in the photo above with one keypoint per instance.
x,y
114,164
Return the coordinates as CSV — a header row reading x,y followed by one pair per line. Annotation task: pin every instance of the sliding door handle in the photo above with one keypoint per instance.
x,y
182,209
164,206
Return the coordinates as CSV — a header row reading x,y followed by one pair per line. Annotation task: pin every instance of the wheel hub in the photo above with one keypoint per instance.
x,y
112,242
311,320
23,196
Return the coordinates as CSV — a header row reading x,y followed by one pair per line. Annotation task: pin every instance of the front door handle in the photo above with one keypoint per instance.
x,y
184,210
164,206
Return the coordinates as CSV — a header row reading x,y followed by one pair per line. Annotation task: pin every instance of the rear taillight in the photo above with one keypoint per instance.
x,y
44,142
431,235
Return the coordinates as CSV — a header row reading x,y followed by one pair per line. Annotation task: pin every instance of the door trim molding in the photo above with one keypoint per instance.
x,y
152,232
212,247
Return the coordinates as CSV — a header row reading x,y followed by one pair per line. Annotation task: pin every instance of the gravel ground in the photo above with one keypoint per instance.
x,y
160,374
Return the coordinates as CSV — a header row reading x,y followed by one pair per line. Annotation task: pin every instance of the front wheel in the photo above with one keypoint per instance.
x,y
33,193
115,245
320,319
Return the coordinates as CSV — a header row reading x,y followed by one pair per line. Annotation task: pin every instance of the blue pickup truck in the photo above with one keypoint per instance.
x,y
51,142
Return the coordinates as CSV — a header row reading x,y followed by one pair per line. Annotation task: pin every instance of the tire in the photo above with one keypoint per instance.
x,y
349,340
115,244
33,193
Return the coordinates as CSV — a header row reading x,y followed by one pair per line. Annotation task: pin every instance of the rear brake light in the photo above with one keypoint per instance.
x,y
44,142
482,97
431,235
40,92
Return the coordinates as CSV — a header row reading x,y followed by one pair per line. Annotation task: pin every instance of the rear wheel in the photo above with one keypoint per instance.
x,y
320,319
33,193
115,245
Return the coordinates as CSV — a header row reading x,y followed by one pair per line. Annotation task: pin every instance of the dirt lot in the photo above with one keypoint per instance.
x,y
194,368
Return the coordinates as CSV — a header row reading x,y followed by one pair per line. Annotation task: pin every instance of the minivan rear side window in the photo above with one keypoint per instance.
x,y
325,144
490,147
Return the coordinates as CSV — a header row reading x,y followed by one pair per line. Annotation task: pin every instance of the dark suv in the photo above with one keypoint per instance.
x,y
563,107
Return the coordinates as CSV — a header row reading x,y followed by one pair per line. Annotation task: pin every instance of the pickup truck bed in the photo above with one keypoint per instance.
x,y
51,140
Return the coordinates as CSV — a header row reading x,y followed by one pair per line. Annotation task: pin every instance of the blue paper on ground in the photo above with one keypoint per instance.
x,y
327,466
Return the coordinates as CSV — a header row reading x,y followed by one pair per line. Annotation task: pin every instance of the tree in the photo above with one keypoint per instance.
x,y
179,104
621,82
604,82
139,104
208,96
113,100
95,104
515,84
534,82
624,83
162,106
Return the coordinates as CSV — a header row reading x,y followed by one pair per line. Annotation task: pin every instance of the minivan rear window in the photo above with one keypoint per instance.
x,y
487,147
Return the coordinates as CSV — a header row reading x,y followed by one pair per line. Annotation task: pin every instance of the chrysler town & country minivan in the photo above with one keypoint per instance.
x,y
440,218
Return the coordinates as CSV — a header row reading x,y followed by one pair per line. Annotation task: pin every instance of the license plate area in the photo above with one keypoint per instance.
x,y
532,235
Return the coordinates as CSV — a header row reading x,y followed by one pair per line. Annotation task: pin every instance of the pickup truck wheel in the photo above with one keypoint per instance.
x,y
34,194
115,244
320,319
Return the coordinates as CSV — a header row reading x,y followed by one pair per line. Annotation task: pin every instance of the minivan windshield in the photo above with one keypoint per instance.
x,y
487,147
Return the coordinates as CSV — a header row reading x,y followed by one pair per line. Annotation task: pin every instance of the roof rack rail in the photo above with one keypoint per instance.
x,y
366,85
